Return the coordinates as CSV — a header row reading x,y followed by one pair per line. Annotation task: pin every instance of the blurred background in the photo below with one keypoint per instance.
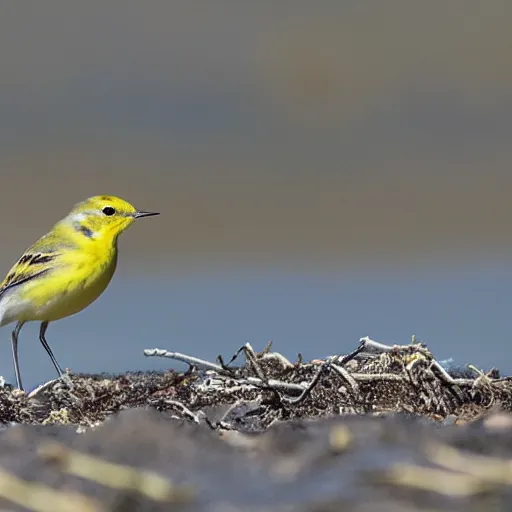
x,y
325,171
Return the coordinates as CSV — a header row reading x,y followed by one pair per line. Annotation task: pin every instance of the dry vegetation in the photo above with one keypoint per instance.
x,y
351,432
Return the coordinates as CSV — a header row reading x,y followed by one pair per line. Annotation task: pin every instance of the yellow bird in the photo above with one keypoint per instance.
x,y
65,270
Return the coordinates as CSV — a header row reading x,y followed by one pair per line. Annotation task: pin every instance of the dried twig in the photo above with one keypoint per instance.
x,y
376,346
343,360
344,374
271,384
191,360
306,391
250,356
65,379
447,378
278,357
411,365
373,377
174,403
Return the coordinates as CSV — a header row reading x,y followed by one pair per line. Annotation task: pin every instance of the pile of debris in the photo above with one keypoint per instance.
x,y
241,437
374,378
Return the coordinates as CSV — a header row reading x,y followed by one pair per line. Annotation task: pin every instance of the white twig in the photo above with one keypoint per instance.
x,y
307,390
446,377
346,376
65,379
271,383
369,343
278,357
194,361
185,410
372,377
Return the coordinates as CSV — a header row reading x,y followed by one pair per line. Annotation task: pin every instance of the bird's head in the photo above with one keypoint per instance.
x,y
103,217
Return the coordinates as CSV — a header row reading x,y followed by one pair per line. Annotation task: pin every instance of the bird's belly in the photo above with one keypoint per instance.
x,y
74,299
57,295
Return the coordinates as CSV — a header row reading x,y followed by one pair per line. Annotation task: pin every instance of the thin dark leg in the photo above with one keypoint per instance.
x,y
43,341
14,343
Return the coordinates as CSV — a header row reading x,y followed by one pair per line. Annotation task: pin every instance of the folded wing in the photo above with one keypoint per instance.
x,y
39,259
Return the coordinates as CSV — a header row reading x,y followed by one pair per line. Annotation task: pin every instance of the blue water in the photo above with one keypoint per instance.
x,y
460,313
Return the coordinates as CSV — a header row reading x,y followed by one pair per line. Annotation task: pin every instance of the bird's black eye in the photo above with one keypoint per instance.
x,y
108,210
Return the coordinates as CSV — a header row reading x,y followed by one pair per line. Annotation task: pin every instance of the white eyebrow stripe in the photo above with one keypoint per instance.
x,y
79,217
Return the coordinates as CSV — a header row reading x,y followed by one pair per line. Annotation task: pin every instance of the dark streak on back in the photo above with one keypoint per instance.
x,y
36,259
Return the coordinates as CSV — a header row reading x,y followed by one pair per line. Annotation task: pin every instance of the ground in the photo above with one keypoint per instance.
x,y
382,428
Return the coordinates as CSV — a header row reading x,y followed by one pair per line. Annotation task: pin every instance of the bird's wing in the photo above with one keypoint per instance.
x,y
37,260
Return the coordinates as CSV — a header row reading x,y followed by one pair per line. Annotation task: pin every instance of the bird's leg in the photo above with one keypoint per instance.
x,y
14,343
43,341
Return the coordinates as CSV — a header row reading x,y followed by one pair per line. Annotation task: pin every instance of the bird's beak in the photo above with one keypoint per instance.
x,y
139,214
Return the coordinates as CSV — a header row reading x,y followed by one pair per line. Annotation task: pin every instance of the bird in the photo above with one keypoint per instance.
x,y
65,270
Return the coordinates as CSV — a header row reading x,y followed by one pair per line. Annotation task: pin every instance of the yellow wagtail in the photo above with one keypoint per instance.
x,y
66,269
